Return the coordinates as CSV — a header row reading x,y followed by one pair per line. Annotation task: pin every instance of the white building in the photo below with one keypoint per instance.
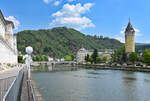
x,y
50,59
83,52
8,46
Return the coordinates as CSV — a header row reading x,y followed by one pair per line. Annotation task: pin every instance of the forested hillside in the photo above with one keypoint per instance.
x,y
142,46
61,41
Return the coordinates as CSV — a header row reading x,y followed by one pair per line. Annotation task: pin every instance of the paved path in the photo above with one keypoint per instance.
x,y
6,79
25,90
9,72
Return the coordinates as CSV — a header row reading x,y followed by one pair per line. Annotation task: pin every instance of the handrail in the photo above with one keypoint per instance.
x,y
13,91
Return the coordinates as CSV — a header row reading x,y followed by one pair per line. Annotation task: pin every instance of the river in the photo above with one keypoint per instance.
x,y
93,85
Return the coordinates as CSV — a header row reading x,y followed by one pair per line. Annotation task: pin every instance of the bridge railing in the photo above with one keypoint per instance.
x,y
13,92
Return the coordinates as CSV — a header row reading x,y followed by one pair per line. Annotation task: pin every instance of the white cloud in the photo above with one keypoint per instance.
x,y
71,0
56,3
148,41
47,1
120,38
71,16
123,30
14,20
137,32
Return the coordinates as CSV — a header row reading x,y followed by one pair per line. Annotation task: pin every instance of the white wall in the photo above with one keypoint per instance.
x,y
6,54
11,40
9,29
2,28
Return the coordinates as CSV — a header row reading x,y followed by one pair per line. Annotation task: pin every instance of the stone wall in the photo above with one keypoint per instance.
x,y
129,45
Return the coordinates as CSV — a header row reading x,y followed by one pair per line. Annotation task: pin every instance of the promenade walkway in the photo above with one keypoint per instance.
x,y
6,79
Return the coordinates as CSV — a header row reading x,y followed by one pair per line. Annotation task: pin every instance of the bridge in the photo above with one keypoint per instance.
x,y
55,62
53,66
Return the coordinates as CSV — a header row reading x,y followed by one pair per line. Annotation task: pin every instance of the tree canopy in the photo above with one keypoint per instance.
x,y
61,41
133,57
146,57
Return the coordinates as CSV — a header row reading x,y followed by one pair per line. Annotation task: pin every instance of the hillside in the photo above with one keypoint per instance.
x,y
61,41
142,46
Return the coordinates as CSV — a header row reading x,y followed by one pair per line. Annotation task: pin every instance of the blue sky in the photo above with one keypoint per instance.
x,y
100,17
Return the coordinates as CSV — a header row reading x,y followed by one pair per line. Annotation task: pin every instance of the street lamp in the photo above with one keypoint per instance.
x,y
29,51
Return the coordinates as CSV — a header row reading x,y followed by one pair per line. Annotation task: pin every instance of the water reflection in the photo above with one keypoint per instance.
x,y
94,85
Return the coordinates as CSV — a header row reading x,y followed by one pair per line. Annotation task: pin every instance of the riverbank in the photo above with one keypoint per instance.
x,y
107,67
29,90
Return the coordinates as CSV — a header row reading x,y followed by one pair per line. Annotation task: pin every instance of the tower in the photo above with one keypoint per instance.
x,y
129,38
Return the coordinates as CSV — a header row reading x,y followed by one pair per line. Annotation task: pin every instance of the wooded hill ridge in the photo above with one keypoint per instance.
x,y
61,41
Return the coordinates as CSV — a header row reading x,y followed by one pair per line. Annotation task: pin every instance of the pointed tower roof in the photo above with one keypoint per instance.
x,y
129,28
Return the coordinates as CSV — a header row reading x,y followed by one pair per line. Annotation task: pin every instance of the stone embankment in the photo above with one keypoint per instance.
x,y
108,67
29,90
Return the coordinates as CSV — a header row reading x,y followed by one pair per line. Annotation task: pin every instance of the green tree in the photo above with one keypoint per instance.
x,y
68,58
91,59
34,58
45,58
87,58
133,57
20,59
146,57
40,58
44,41
98,60
105,59
119,55
95,55
72,57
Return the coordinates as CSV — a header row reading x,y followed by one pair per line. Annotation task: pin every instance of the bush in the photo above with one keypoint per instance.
x,y
133,57
20,59
146,57
98,60
8,64
105,59
40,58
68,58
91,59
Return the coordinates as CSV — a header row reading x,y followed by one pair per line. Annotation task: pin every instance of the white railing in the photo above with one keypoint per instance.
x,y
13,92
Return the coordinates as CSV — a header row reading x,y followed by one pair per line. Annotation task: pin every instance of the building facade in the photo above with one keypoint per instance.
x,y
129,39
8,45
80,57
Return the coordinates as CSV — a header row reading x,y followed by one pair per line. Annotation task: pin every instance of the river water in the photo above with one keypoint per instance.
x,y
93,85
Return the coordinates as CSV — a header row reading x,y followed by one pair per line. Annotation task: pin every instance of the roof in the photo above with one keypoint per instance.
x,y
82,49
6,22
129,28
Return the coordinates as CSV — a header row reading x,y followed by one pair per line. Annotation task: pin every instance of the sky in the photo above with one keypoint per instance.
x,y
93,17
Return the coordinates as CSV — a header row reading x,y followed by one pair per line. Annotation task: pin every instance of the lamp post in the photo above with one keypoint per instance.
x,y
29,51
